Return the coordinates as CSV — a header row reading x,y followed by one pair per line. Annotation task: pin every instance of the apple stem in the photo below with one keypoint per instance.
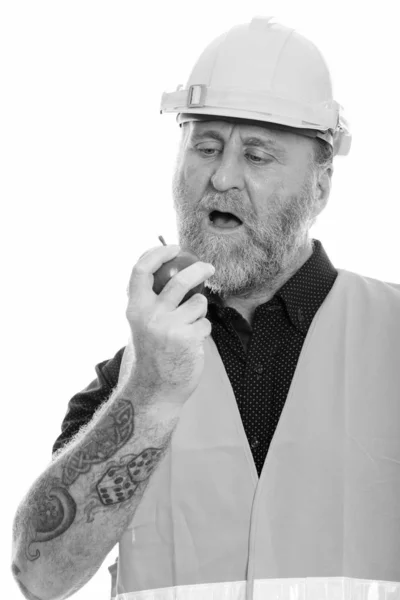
x,y
160,237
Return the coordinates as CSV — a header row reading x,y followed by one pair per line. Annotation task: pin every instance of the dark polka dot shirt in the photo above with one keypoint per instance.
x,y
260,360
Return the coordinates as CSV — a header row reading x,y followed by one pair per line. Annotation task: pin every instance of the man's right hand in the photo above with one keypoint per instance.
x,y
168,338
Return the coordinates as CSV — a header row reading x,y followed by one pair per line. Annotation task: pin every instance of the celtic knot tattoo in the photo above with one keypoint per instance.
x,y
102,444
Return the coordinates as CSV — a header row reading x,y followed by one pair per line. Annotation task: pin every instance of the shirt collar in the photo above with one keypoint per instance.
x,y
302,295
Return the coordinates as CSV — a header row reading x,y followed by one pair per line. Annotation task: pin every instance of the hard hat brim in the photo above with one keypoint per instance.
x,y
186,117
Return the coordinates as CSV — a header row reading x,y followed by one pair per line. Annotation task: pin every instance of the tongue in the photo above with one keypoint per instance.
x,y
225,220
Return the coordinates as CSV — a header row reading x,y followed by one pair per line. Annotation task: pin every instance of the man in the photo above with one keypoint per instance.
x,y
262,418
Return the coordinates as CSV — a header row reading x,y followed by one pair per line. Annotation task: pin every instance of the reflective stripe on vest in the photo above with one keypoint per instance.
x,y
327,504
313,588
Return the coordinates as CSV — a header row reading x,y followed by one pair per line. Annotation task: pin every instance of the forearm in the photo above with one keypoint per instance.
x,y
79,507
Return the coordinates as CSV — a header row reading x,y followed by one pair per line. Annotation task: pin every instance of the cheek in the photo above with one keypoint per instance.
x,y
194,175
193,181
271,192
267,194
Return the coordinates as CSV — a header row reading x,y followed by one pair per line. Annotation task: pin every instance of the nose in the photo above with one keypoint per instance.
x,y
229,173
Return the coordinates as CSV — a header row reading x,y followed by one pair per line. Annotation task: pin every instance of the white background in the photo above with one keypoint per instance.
x,y
86,166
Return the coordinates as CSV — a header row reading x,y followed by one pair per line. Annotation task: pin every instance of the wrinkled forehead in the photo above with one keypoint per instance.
x,y
195,122
245,125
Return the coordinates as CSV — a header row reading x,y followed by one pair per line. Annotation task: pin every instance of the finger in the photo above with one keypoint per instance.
x,y
202,328
181,283
152,260
193,309
148,264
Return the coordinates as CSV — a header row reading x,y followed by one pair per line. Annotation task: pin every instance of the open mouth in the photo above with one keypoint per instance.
x,y
224,220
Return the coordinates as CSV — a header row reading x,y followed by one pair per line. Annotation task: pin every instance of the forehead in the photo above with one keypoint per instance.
x,y
253,132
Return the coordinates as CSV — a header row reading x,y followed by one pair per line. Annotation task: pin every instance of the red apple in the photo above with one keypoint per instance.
x,y
169,269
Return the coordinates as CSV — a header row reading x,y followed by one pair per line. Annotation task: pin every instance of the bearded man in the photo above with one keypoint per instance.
x,y
246,441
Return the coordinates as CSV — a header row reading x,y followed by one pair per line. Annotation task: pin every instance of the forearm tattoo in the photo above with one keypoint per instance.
x,y
121,480
53,509
51,512
103,443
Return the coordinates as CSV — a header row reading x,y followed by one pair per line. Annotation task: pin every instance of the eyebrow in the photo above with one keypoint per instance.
x,y
248,141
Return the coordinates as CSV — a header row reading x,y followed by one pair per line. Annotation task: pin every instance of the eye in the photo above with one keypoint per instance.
x,y
254,157
258,159
207,151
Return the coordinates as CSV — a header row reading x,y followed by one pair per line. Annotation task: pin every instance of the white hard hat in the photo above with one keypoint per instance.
x,y
263,71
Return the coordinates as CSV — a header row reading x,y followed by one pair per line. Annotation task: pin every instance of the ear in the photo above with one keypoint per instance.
x,y
324,183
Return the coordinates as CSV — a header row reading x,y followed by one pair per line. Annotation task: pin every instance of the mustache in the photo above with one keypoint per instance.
x,y
229,202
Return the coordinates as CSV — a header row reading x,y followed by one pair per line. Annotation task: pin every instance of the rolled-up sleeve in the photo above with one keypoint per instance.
x,y
84,404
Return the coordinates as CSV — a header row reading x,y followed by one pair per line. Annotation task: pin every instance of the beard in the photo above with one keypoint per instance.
x,y
262,253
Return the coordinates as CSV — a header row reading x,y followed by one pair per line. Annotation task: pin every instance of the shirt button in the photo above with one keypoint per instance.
x,y
258,368
254,444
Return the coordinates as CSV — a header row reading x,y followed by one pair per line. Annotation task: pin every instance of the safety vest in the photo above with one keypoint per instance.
x,y
323,520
